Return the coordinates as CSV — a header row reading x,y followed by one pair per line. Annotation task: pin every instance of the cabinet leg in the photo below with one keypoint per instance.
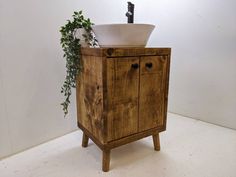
x,y
106,160
156,142
85,140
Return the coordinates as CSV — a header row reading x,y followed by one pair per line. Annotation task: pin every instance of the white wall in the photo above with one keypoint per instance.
x,y
31,73
202,35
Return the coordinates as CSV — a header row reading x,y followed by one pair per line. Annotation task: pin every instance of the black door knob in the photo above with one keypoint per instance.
x,y
135,65
149,65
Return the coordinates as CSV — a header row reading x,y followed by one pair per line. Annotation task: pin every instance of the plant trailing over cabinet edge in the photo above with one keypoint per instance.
x,y
71,46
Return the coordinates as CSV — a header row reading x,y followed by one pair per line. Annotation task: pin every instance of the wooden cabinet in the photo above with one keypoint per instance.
x,y
122,96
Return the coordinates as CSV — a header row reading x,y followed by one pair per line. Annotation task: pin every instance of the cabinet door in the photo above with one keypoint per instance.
x,y
122,97
152,102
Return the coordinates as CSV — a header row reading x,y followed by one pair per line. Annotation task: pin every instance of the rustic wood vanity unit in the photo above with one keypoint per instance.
x,y
122,96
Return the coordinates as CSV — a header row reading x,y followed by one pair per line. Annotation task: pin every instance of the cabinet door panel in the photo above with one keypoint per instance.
x,y
151,65
122,96
122,79
152,92
122,120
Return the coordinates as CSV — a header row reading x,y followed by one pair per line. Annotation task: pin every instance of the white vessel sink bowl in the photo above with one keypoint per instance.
x,y
122,35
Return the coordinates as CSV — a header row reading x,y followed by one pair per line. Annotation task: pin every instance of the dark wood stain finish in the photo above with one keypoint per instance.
x,y
122,96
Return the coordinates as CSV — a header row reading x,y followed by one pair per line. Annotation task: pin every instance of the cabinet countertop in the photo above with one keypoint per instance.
x,y
125,52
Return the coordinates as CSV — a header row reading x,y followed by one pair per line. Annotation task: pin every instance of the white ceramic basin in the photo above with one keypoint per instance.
x,y
122,35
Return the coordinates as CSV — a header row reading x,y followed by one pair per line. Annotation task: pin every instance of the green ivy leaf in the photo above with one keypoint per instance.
x,y
71,47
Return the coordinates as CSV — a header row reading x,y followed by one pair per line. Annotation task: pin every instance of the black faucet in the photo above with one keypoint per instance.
x,y
130,13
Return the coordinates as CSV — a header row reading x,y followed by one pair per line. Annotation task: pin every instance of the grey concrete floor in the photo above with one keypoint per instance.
x,y
189,148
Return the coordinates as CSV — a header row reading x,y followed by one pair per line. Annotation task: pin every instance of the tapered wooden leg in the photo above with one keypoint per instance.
x,y
156,142
85,140
106,160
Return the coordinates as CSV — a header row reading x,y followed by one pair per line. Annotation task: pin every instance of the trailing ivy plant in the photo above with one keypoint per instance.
x,y
71,45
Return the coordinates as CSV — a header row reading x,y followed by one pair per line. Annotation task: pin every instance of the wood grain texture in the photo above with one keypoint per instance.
x,y
122,141
105,98
166,90
132,138
156,142
152,92
90,96
116,100
124,52
122,94
97,141
85,140
122,79
105,160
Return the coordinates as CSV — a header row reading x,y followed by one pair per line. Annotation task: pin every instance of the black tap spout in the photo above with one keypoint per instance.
x,y
130,13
